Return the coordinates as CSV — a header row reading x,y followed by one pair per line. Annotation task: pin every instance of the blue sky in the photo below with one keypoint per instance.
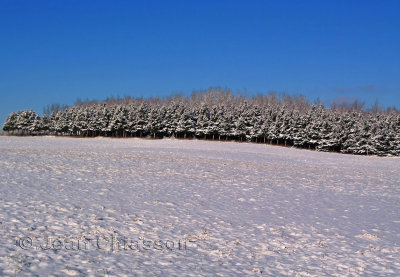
x,y
58,51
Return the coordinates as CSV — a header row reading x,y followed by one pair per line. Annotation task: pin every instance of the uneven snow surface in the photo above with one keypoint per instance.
x,y
132,207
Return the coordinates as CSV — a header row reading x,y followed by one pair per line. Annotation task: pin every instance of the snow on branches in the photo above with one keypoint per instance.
x,y
219,115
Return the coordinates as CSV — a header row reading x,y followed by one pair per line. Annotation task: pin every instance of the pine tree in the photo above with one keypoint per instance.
x,y
186,124
202,123
218,114
141,119
10,125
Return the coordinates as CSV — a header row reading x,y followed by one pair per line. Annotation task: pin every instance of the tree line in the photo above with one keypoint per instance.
x,y
218,114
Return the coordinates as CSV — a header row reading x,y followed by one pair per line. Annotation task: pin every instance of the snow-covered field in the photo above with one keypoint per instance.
x,y
115,207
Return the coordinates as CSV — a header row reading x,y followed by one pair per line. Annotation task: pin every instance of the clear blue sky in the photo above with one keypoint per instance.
x,y
57,51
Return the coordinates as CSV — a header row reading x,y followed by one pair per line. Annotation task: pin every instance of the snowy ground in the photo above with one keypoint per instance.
x,y
190,208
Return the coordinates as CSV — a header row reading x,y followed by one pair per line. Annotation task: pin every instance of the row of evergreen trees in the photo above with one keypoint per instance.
x,y
220,115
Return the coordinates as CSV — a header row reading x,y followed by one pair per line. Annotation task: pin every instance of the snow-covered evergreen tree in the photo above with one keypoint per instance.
x,y
10,125
218,114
